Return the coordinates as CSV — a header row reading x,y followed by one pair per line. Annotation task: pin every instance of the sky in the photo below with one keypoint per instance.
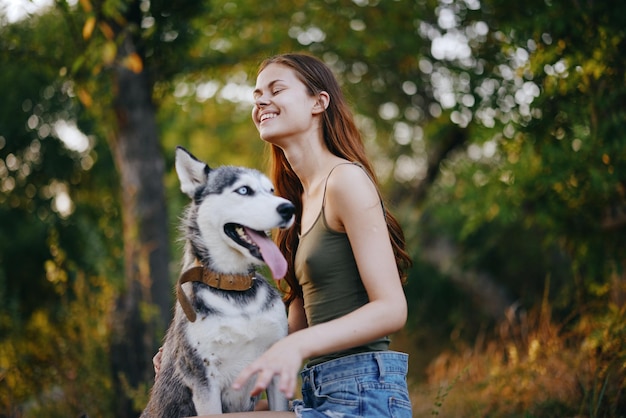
x,y
18,9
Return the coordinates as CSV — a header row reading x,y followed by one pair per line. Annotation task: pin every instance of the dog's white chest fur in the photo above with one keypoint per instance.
x,y
237,331
229,339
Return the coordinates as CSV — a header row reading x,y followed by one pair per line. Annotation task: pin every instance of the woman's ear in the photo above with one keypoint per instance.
x,y
323,100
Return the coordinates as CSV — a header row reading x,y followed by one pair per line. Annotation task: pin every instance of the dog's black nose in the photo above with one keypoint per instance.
x,y
286,210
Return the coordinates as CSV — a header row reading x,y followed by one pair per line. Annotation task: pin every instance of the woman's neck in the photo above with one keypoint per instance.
x,y
311,165
307,157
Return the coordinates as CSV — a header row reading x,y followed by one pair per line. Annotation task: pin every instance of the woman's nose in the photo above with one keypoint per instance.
x,y
261,101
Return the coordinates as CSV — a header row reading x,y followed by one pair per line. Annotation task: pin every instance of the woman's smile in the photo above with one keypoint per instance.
x,y
267,116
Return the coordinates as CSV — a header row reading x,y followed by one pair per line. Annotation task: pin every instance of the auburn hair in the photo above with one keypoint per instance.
x,y
342,139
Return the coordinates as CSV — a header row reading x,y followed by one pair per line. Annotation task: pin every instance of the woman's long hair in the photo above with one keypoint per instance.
x,y
342,139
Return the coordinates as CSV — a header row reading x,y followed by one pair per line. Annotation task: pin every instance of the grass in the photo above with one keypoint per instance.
x,y
533,367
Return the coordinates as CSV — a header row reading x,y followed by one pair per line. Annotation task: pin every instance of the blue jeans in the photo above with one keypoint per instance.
x,y
362,385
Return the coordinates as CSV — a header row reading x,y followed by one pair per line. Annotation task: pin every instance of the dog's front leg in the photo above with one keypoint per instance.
x,y
207,399
275,398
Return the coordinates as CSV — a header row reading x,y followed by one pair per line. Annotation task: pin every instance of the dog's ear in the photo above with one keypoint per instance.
x,y
192,172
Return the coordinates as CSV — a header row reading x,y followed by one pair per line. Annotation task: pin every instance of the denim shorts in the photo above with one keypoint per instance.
x,y
362,385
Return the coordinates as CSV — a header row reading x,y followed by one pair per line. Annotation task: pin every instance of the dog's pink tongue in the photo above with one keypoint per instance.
x,y
271,254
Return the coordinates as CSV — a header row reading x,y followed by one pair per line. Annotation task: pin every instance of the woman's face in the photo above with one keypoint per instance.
x,y
283,106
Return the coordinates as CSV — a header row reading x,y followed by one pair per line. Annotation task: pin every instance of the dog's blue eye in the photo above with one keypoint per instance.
x,y
244,191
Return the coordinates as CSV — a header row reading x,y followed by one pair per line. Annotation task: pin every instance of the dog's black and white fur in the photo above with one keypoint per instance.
x,y
223,230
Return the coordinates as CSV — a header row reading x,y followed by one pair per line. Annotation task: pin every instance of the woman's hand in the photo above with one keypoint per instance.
x,y
282,360
156,362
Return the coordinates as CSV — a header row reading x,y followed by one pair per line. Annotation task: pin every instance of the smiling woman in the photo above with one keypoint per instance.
x,y
346,252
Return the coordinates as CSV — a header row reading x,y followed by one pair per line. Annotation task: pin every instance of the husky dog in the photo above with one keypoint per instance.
x,y
227,314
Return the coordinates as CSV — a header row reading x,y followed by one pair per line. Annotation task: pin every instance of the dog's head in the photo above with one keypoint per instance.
x,y
231,210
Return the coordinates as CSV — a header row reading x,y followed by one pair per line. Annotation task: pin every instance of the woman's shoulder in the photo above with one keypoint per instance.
x,y
344,173
349,181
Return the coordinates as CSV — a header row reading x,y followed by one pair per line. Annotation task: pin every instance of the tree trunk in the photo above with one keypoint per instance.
x,y
143,306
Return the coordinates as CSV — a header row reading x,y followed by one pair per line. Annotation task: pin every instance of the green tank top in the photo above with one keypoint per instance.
x,y
330,281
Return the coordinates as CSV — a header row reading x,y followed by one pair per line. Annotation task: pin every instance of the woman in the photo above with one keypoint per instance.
x,y
346,253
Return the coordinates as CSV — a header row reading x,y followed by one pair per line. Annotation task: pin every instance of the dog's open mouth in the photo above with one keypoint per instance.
x,y
260,246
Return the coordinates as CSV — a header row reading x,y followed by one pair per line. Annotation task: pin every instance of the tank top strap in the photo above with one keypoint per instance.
x,y
326,182
366,173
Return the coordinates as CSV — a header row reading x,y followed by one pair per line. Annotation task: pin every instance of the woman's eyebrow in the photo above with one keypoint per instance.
x,y
257,91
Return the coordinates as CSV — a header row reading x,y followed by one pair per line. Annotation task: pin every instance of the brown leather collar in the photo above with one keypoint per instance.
x,y
235,282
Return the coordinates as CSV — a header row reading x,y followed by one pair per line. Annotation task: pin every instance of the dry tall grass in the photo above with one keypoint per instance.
x,y
533,367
